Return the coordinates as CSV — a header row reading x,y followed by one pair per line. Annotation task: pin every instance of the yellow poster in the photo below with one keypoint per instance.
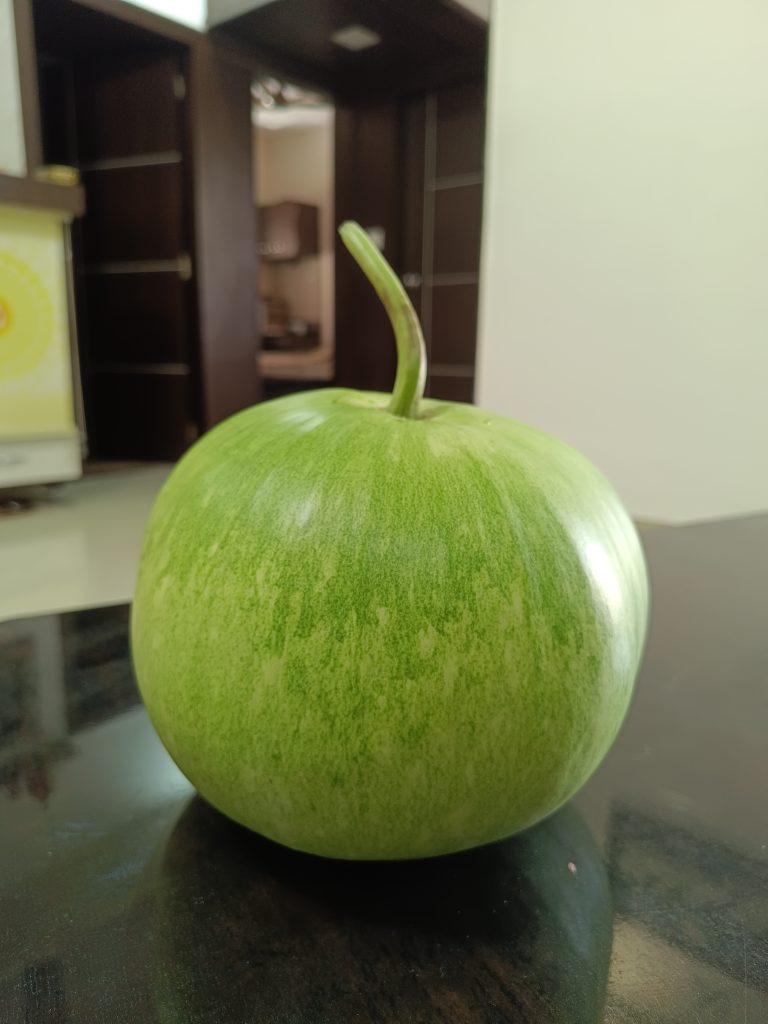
x,y
35,364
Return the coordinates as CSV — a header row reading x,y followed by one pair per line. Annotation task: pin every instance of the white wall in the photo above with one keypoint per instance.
x,y
625,266
13,157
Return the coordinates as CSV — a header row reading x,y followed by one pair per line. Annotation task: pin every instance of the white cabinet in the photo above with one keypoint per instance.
x,y
39,437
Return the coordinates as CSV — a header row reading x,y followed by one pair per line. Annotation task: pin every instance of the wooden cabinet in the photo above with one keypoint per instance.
x,y
442,162
135,292
413,168
158,120
287,231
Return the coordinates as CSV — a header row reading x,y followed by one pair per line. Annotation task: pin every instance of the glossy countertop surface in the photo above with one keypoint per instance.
x,y
123,897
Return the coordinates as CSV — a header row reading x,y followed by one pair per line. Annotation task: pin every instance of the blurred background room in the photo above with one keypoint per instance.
x,y
172,174
171,178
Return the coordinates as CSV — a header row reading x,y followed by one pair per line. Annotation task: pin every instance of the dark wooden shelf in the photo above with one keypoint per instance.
x,y
42,195
288,232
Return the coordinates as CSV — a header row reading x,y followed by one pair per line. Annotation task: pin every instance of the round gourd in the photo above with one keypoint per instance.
x,y
374,626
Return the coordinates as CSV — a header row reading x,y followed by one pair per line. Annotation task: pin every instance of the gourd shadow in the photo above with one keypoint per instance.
x,y
249,930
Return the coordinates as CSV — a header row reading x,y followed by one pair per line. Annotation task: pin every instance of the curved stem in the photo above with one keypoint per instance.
x,y
411,353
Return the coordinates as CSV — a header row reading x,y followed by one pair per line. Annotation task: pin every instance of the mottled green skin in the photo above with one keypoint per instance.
x,y
373,637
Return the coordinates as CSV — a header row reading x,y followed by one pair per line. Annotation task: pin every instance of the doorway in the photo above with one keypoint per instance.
x,y
293,165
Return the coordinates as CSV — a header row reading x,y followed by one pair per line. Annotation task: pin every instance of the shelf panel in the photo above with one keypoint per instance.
x,y
316,364
68,199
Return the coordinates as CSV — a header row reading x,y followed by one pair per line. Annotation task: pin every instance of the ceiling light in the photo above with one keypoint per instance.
x,y
356,37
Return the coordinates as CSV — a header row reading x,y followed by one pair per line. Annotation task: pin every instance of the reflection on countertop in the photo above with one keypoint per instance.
x,y
58,675
123,897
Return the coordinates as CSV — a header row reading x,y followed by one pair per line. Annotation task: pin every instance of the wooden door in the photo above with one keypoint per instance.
x,y
442,188
414,170
135,280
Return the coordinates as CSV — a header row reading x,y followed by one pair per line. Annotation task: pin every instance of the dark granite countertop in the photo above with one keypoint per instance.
x,y
124,898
